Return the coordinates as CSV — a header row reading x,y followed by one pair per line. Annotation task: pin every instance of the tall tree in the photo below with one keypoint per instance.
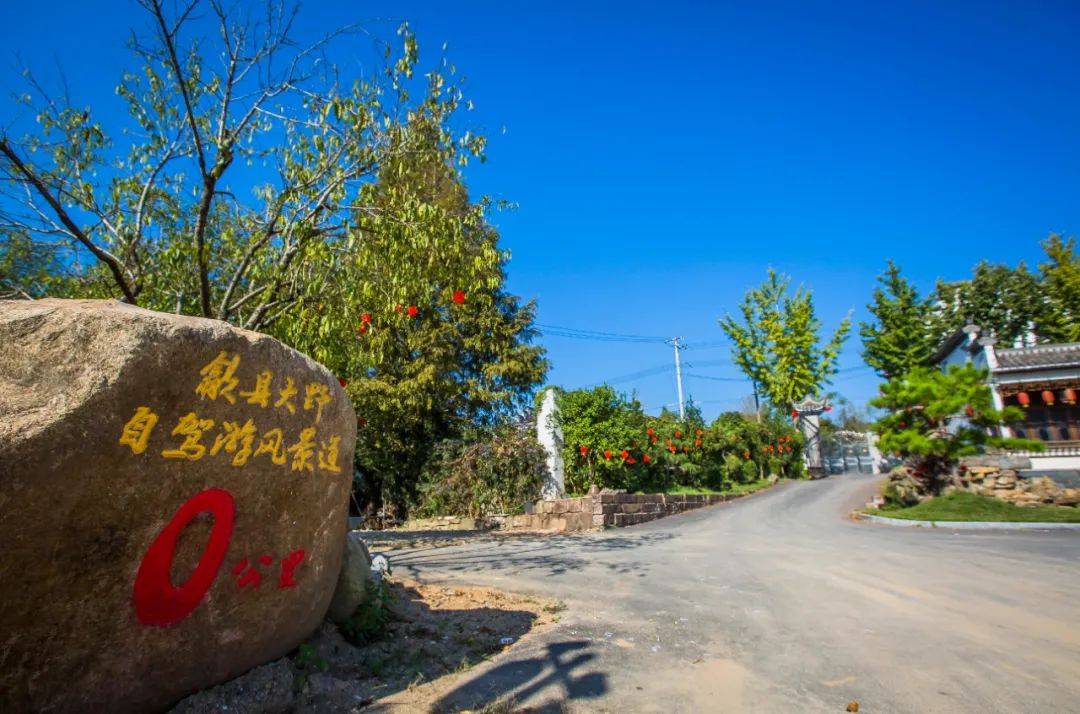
x,y
778,342
235,180
898,338
1060,277
1005,302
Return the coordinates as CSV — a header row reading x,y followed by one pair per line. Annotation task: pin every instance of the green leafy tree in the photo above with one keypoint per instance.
x,y
898,339
777,342
1005,302
1060,277
933,418
233,188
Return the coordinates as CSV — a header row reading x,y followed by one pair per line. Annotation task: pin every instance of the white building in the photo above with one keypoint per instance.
x,y
1044,380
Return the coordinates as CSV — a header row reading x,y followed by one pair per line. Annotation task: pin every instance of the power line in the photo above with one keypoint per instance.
x,y
717,379
596,335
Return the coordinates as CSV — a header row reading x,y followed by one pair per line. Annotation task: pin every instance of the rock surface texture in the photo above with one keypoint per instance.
x,y
173,499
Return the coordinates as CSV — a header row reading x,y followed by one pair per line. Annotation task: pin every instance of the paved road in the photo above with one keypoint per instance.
x,y
778,603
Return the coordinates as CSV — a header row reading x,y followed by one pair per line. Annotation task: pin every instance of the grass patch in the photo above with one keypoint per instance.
x,y
970,507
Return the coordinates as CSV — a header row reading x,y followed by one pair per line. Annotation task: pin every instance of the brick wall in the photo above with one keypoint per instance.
x,y
607,510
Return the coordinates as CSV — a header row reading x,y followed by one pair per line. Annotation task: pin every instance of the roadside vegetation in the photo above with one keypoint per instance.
x,y
971,507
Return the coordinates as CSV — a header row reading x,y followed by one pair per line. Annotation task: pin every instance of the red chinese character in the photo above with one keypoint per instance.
x,y
288,565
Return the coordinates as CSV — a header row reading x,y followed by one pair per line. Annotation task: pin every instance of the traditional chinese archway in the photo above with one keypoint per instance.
x,y
807,414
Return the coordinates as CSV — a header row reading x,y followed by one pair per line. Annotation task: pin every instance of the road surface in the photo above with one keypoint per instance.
x,y
778,603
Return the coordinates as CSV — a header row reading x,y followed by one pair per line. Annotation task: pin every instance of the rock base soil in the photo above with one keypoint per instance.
x,y
433,633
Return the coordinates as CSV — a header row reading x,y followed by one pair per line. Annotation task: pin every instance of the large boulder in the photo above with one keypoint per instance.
x,y
353,581
173,499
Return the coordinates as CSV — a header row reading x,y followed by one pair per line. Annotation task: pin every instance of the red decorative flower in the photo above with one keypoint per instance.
x,y
652,440
794,414
361,422
607,453
363,328
969,410
650,431
341,380
697,442
584,449
671,449
397,308
700,432
459,296
678,434
631,460
413,311
746,454
624,453
686,449
365,318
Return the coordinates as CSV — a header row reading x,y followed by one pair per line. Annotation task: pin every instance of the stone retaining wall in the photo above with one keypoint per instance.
x,y
607,509
999,477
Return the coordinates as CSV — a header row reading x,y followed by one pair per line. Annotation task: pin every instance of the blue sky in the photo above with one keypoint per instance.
x,y
663,155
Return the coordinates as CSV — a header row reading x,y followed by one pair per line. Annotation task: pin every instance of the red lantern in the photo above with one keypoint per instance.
x,y
645,459
584,450
1048,397
1069,396
1023,399
459,296
413,311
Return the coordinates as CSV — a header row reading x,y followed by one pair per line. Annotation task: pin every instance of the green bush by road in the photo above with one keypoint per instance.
x,y
969,507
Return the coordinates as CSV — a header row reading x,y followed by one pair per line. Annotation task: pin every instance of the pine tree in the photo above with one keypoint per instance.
x,y
898,339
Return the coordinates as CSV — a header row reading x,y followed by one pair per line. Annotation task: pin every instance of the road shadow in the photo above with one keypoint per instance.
x,y
550,555
559,665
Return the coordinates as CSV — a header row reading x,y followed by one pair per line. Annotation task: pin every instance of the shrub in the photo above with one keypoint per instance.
x,y
490,471
933,418
610,441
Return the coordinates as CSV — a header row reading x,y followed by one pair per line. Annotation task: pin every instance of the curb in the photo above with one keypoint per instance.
x,y
967,525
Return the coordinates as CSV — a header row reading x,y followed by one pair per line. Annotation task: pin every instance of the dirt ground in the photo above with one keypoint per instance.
x,y
432,633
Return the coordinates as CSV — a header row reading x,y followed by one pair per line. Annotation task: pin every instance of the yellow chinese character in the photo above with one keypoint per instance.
x,y
136,432
287,393
261,393
328,454
218,379
316,395
270,443
191,428
303,450
236,440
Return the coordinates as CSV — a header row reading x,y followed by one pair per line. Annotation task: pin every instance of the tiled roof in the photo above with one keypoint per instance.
x,y
1062,355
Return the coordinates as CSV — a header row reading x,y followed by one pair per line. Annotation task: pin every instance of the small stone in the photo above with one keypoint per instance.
x,y
853,706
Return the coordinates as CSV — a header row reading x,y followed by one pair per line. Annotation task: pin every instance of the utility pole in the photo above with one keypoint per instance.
x,y
675,342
